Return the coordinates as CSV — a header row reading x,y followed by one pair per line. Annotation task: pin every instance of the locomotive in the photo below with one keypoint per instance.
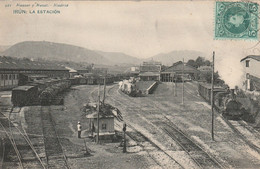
x,y
224,100
129,88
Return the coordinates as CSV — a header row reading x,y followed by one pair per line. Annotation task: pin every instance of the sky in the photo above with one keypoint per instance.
x,y
140,29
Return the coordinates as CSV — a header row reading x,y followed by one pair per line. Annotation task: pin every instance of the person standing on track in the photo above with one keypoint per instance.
x,y
79,130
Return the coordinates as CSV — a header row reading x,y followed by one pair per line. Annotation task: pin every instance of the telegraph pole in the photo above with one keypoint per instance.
x,y
175,87
212,97
104,94
98,109
124,129
183,81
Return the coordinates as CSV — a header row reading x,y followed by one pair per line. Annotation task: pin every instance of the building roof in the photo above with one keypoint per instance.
x,y
150,68
10,63
106,111
255,57
152,62
71,70
178,67
101,115
149,74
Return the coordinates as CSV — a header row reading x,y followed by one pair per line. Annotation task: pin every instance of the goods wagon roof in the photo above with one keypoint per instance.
x,y
24,88
208,86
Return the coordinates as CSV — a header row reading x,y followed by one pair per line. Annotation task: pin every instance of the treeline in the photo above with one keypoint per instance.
x,y
200,61
206,75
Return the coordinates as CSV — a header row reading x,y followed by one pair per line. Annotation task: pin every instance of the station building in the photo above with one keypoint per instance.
x,y
14,70
251,69
168,74
150,71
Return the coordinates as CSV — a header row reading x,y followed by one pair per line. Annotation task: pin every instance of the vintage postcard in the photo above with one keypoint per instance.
x,y
129,84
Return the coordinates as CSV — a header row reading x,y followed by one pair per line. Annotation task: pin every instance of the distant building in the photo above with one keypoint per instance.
x,y
150,71
72,72
251,67
205,69
134,71
99,70
168,74
13,71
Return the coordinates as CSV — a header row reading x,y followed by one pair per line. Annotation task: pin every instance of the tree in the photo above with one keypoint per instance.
x,y
200,60
192,63
207,63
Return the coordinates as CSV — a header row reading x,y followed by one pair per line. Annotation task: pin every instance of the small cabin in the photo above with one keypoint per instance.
x,y
107,116
106,124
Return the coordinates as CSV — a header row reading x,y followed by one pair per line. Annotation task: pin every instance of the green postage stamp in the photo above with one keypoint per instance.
x,y
236,20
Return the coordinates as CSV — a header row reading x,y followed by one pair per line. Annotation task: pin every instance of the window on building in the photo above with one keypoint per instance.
x,y
104,126
247,63
6,77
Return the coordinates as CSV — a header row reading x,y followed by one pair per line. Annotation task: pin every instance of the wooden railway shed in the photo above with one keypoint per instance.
x,y
12,69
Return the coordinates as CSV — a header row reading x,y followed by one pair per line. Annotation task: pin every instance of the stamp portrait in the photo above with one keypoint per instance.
x,y
236,20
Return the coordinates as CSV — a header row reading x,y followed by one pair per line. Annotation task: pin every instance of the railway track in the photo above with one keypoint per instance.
x,y
23,149
139,137
201,158
53,149
244,138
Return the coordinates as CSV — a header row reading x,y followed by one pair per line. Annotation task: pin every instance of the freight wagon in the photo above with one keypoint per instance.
x,y
38,92
224,100
204,90
24,95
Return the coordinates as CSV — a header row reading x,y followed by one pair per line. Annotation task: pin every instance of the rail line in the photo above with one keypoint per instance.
x,y
9,129
235,130
141,137
199,156
54,153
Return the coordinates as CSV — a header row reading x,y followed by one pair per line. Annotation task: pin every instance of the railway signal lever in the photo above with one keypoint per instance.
x,y
124,129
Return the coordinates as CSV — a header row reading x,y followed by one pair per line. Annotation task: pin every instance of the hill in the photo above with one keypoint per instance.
x,y
3,48
64,52
175,56
54,51
120,58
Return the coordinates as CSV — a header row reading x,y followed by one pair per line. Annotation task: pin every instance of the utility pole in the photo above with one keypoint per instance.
x,y
104,94
183,81
98,110
175,87
212,97
124,129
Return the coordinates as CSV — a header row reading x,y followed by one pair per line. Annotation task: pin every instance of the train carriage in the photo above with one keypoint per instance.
x,y
204,90
24,95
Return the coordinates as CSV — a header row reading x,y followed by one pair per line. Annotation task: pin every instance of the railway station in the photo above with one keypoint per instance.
x,y
161,122
126,85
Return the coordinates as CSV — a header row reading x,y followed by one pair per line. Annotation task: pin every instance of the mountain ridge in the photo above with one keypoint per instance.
x,y
66,52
